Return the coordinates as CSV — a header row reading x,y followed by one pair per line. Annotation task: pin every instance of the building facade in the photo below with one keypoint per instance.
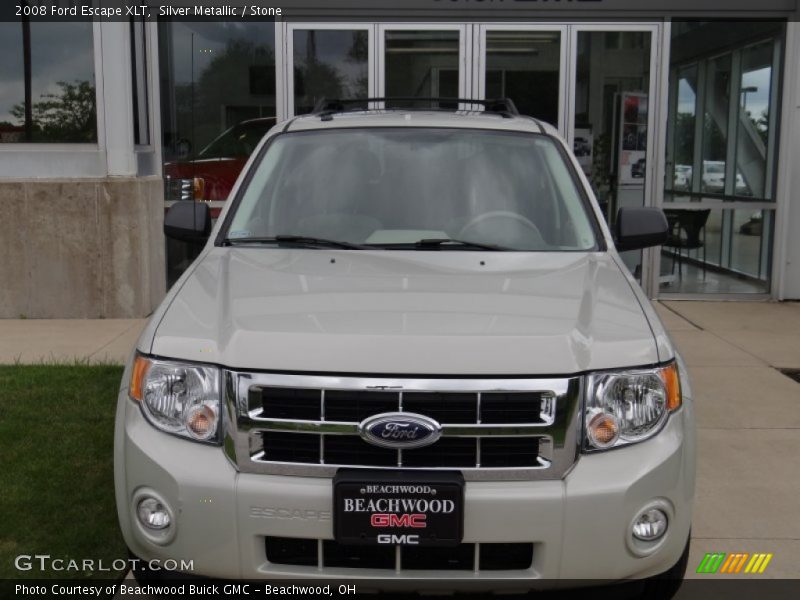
x,y
105,123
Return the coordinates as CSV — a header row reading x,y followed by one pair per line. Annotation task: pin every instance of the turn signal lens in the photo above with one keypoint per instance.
x,y
201,421
199,188
603,430
672,383
138,373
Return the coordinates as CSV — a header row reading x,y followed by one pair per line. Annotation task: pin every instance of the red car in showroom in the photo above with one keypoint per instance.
x,y
210,176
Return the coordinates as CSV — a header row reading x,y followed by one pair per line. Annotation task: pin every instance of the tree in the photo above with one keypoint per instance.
x,y
761,124
359,49
227,81
684,138
67,116
715,141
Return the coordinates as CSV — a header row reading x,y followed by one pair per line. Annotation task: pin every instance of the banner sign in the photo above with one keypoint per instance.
x,y
122,10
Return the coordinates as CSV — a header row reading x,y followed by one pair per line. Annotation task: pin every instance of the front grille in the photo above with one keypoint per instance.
x,y
288,403
445,408
356,406
448,408
352,450
511,408
291,447
356,557
509,452
447,452
464,557
490,429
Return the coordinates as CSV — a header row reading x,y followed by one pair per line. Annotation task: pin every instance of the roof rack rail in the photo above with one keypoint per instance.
x,y
327,107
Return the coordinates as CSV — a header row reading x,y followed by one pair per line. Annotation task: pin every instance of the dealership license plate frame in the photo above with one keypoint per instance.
x,y
442,530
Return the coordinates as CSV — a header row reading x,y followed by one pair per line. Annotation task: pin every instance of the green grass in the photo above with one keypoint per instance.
x,y
56,466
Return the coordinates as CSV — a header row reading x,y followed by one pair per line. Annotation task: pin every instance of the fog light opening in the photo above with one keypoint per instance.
x,y
650,525
153,514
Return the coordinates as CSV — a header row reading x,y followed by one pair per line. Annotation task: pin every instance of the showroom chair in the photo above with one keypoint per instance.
x,y
686,227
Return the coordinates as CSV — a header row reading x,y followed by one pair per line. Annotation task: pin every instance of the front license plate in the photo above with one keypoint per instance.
x,y
398,508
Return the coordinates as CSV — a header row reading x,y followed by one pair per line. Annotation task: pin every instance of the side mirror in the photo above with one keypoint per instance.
x,y
188,221
640,227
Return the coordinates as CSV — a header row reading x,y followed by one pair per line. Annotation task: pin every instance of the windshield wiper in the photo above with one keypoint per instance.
x,y
295,240
444,242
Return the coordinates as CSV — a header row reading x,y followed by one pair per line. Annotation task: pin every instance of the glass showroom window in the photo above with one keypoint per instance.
x,y
329,64
141,112
753,144
683,131
47,85
612,112
724,87
422,64
524,65
217,102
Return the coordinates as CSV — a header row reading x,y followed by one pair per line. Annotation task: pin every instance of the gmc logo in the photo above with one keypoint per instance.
x,y
385,538
416,520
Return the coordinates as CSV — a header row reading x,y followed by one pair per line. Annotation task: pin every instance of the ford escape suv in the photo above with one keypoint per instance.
x,y
409,352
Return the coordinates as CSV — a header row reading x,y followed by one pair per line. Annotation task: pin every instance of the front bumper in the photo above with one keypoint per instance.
x,y
580,526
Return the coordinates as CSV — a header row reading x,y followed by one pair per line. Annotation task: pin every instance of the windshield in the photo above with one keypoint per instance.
x,y
395,188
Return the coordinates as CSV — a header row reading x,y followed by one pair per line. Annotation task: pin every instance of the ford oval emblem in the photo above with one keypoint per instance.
x,y
400,430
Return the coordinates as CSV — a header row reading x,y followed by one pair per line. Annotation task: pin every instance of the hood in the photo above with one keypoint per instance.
x,y
413,312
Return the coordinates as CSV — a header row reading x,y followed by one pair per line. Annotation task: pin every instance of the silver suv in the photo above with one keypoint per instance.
x,y
410,352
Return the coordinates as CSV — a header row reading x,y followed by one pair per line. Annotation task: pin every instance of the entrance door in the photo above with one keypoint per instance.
x,y
612,120
526,63
424,60
328,60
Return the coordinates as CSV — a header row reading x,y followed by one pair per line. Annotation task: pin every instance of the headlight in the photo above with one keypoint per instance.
x,y
178,398
177,189
629,406
184,189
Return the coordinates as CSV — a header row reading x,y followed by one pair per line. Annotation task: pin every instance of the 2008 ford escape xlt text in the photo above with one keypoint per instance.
x,y
410,352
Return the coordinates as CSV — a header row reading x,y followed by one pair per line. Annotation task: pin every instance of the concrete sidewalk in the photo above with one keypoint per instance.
x,y
748,427
748,413
29,341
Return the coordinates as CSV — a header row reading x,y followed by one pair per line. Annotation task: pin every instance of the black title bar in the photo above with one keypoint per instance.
x,y
387,10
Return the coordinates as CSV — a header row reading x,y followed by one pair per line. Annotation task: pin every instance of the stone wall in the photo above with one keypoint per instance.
x,y
88,248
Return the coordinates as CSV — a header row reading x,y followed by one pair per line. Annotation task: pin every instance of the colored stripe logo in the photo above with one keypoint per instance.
x,y
734,563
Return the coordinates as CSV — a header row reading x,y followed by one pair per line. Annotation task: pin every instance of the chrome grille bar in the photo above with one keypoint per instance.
x,y
348,428
555,431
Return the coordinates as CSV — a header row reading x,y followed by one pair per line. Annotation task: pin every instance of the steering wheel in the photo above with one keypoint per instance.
x,y
497,215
